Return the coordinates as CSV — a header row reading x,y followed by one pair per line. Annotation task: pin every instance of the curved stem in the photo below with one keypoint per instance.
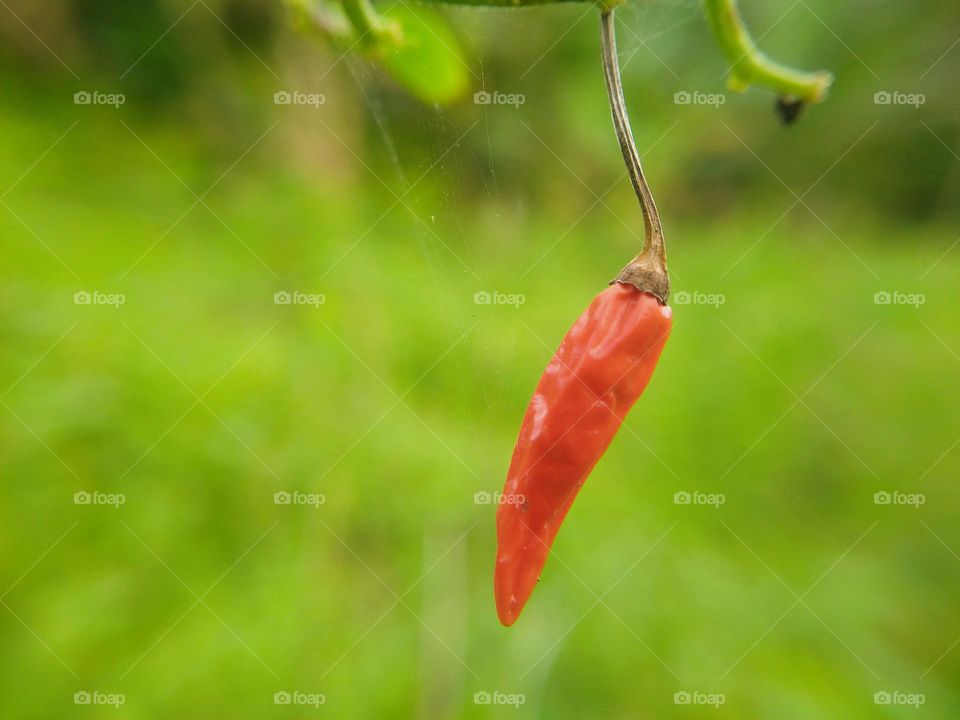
x,y
749,66
653,229
328,18
505,3
370,27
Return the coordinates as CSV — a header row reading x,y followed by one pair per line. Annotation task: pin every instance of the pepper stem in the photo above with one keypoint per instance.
x,y
648,271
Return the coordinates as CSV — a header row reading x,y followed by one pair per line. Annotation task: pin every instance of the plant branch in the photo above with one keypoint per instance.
x,y
504,3
370,27
647,271
326,18
749,66
653,229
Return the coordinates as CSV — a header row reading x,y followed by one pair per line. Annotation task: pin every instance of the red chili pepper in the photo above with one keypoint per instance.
x,y
603,365
600,370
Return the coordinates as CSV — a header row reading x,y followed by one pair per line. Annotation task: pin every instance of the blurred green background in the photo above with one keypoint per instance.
x,y
398,398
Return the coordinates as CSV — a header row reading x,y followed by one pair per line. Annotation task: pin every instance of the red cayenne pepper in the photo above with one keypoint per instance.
x,y
602,366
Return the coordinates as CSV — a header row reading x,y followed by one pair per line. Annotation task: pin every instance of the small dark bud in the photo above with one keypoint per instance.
x,y
788,108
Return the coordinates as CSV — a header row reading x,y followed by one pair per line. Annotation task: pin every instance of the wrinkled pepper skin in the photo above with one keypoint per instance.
x,y
602,366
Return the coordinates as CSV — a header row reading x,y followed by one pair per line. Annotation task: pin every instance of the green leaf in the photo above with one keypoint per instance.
x,y
423,54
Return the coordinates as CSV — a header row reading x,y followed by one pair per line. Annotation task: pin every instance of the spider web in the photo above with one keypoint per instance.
x,y
647,21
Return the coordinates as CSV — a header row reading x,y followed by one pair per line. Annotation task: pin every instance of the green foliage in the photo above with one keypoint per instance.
x,y
425,57
313,404
304,398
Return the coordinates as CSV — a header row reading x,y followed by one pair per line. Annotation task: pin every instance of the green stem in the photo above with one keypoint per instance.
x,y
328,19
370,27
749,66
504,3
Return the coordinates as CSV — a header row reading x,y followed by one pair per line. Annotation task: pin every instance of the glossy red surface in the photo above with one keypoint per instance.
x,y
602,366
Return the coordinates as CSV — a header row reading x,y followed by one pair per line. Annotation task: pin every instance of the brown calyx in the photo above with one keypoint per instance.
x,y
647,272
